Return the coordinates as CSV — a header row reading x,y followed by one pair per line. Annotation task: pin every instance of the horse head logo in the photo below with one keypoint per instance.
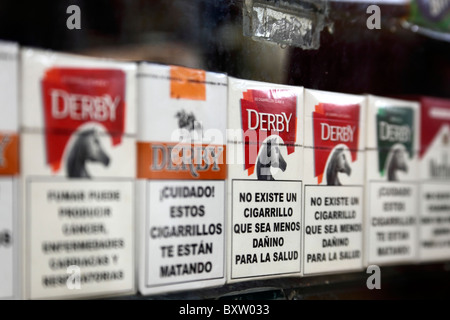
x,y
86,148
269,157
337,164
396,163
188,121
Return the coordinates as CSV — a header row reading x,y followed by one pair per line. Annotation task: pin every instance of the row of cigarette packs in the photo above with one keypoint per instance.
x,y
121,177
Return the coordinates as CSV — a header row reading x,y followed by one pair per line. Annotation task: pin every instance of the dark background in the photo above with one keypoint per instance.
x,y
208,34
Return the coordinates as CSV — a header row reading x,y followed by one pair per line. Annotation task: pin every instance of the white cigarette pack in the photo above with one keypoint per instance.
x,y
392,175
78,129
434,156
265,174
334,182
181,175
9,170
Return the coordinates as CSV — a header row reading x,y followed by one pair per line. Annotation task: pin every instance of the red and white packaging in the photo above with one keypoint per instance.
x,y
265,173
334,182
78,127
9,170
181,173
434,157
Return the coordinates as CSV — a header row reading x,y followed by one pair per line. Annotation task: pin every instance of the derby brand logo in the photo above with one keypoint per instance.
x,y
169,160
266,113
394,126
334,125
75,96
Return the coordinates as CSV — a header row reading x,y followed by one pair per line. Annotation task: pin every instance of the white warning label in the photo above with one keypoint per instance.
x,y
6,238
434,221
392,222
266,228
333,228
185,229
80,226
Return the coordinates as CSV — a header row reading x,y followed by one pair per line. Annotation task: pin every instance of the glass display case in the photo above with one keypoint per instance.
x,y
386,48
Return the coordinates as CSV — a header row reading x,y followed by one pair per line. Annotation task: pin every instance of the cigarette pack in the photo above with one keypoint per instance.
x,y
334,182
265,173
392,175
9,170
181,173
78,146
434,157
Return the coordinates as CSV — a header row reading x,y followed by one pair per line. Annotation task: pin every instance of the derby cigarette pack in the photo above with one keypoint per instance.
x,y
265,163
9,170
392,174
181,175
78,127
334,182
434,157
